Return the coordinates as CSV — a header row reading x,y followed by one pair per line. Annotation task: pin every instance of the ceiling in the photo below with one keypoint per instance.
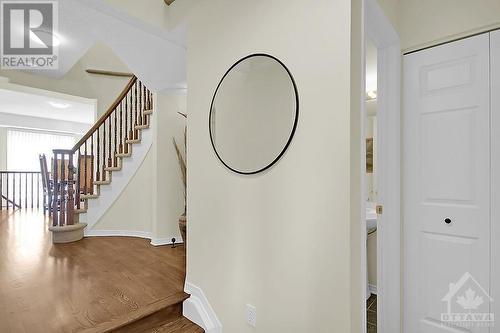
x,y
82,23
34,105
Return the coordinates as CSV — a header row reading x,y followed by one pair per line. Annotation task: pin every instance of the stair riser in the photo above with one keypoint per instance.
x,y
155,320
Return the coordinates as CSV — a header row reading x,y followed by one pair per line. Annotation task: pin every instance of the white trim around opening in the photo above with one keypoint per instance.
x,y
379,30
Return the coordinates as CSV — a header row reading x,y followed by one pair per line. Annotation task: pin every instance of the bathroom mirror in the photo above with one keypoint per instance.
x,y
253,114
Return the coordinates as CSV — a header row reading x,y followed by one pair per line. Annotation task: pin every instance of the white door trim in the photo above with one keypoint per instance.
x,y
380,31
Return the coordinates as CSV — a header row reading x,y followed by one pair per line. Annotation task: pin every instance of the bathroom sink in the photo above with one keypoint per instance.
x,y
371,217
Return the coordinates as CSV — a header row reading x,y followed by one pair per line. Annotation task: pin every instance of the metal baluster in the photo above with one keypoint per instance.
x,y
104,150
125,144
98,174
135,106
131,133
55,195
120,148
141,111
78,163
85,168
110,160
91,190
115,145
7,191
14,190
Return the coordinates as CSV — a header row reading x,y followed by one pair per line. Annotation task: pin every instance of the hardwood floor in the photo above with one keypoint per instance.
x,y
88,286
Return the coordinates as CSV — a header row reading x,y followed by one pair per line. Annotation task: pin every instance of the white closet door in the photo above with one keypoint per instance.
x,y
447,185
495,135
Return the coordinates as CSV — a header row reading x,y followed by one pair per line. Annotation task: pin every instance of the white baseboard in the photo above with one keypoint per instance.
x,y
166,241
198,310
132,233
373,289
117,233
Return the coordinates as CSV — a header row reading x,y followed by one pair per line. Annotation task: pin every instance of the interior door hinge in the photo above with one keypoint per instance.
x,y
379,209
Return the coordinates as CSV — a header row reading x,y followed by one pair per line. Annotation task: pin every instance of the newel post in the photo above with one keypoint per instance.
x,y
64,229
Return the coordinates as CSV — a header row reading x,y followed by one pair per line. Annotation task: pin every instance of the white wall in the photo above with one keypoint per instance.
x,y
422,23
154,12
280,240
77,82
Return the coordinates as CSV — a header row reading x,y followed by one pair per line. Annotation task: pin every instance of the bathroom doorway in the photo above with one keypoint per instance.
x,y
371,188
380,301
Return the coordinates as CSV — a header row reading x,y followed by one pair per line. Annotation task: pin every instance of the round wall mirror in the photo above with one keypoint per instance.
x,y
254,114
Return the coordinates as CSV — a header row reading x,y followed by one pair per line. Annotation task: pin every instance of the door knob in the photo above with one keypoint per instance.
x,y
447,220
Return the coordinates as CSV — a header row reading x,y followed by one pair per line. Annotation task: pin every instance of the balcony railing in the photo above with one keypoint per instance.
x,y
21,190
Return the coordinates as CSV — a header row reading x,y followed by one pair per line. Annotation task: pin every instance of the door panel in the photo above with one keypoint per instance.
x,y
446,181
495,135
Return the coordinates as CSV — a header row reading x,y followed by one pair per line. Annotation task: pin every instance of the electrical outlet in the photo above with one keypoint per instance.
x,y
251,312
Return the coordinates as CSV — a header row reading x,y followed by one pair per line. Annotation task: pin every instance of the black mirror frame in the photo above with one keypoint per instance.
x,y
294,123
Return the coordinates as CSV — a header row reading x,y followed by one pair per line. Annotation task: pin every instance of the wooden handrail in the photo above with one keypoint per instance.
x,y
108,73
105,116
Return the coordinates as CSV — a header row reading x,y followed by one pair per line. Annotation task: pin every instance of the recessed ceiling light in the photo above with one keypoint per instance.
x,y
59,105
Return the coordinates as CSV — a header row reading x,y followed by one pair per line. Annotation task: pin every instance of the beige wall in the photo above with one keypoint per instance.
x,y
422,23
153,200
168,188
77,82
132,210
279,240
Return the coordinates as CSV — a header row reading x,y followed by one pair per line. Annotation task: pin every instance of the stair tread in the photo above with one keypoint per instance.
x,y
180,325
89,196
137,315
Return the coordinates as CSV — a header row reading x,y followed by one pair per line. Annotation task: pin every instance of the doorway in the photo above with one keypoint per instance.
x,y
380,121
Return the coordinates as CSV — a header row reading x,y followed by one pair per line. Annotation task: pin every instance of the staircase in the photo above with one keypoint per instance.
x,y
164,316
78,174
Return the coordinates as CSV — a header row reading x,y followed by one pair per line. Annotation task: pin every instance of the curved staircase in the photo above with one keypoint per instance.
x,y
78,175
80,172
